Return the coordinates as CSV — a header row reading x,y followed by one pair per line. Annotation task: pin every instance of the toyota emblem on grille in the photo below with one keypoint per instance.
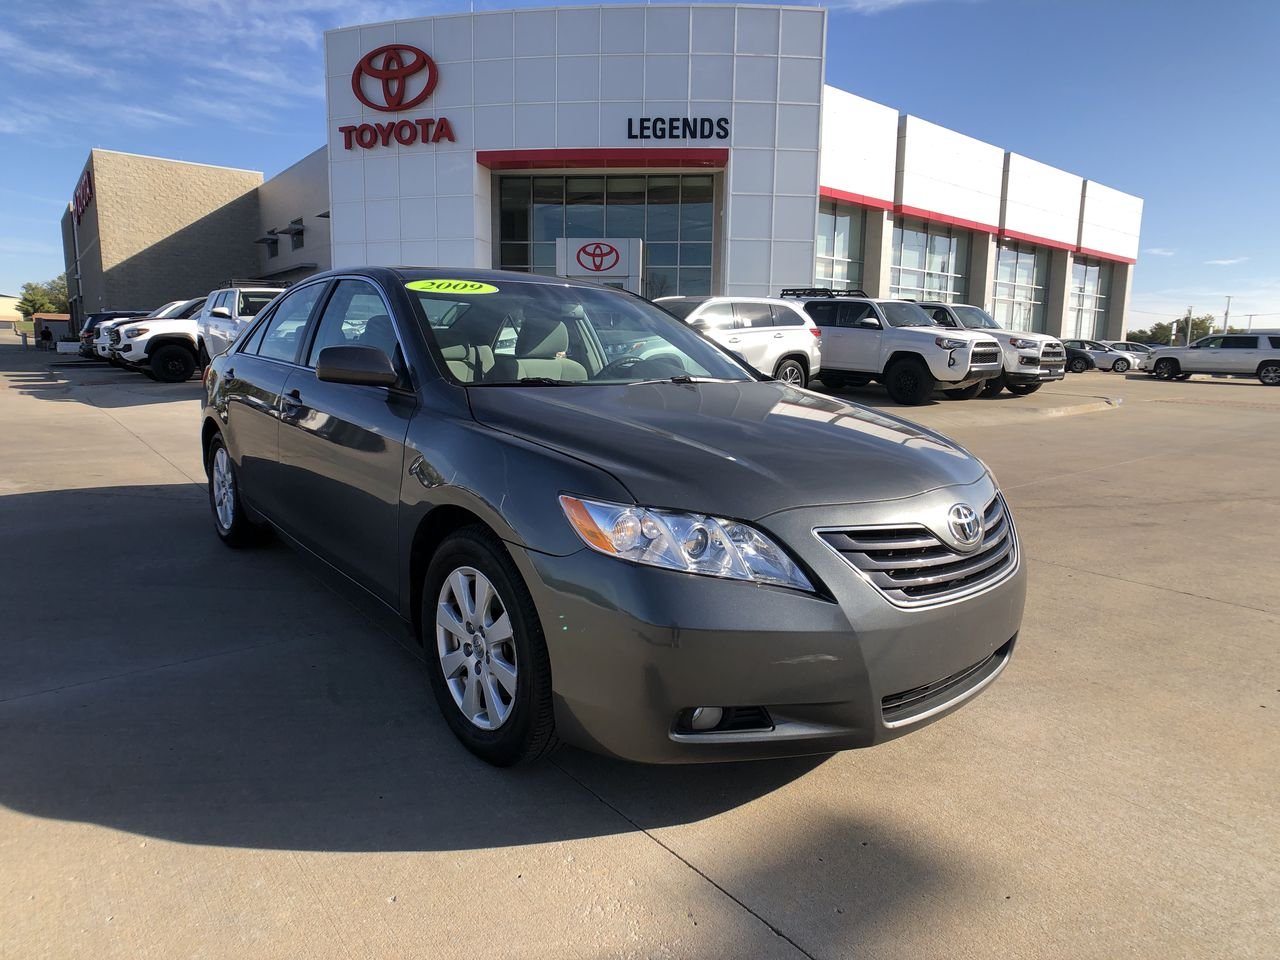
x,y
392,67
965,524
598,257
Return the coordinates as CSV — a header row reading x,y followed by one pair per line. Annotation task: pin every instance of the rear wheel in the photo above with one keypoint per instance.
x,y
790,372
1078,365
1024,389
173,364
1166,368
1120,366
909,382
233,525
966,393
1269,373
486,658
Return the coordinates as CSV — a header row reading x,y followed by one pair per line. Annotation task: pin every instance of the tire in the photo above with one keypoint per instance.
x,y
1078,365
791,372
501,726
909,382
1269,374
966,393
233,526
146,372
1024,389
1166,368
992,387
202,358
1120,366
173,364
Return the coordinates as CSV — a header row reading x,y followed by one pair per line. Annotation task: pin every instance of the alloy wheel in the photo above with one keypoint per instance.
x,y
224,489
1270,374
476,648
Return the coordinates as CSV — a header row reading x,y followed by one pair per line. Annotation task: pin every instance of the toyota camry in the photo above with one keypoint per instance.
x,y
598,527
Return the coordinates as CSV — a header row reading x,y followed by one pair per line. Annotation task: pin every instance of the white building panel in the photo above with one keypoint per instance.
x,y
859,145
946,173
1111,221
1042,201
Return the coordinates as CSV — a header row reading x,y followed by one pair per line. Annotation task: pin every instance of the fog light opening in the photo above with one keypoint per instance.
x,y
705,718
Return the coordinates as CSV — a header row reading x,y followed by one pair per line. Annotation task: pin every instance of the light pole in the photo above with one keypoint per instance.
x,y
1226,313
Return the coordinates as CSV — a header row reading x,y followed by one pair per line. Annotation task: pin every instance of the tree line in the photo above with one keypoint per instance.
x,y
47,297
1162,332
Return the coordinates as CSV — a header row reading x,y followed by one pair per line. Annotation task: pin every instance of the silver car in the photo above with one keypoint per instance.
x,y
1106,357
1252,354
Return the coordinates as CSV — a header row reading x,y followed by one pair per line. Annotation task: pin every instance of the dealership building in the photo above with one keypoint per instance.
x,y
688,150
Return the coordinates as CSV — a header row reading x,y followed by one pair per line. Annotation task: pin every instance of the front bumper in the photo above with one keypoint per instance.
x,y
634,647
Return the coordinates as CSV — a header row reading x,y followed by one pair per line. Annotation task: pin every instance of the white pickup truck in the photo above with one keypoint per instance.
x,y
226,313
1030,359
163,348
896,343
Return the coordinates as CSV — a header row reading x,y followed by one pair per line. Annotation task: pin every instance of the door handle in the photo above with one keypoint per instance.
x,y
734,339
229,375
291,405
778,336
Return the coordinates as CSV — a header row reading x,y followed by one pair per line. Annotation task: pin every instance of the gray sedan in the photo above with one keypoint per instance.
x,y
655,553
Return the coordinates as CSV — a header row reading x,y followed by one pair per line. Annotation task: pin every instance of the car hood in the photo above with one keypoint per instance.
x,y
742,450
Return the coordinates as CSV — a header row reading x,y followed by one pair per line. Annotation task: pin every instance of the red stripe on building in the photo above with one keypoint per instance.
x,y
905,211
1086,252
831,193
636,157
1038,241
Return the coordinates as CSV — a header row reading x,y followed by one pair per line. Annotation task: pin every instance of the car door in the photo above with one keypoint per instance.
x,y
825,315
752,335
220,328
1240,354
791,334
252,383
864,333
342,446
1203,356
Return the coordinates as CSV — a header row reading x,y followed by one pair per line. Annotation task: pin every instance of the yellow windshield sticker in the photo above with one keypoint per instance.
x,y
467,287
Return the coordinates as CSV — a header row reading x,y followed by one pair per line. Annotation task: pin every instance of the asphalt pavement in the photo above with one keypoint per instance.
x,y
210,754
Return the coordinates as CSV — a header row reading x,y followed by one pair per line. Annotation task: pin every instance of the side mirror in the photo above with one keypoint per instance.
x,y
869,323
367,366
698,324
222,312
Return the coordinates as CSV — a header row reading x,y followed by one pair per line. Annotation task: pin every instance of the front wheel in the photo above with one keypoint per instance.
x,y
1024,389
992,387
173,364
1120,366
1166,368
486,657
909,382
966,393
791,373
1269,374
1078,365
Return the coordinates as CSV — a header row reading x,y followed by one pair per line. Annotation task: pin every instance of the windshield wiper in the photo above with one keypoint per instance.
x,y
683,378
525,382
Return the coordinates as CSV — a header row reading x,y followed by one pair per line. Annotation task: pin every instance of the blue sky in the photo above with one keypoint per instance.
x,y
1173,100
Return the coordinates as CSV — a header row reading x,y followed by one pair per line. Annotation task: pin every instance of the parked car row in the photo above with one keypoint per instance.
x,y
173,341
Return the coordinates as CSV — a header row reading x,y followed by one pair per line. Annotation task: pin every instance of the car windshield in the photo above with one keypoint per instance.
x,y
682,306
976,319
529,333
901,314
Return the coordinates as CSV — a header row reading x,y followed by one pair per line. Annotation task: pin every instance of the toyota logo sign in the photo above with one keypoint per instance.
x,y
393,71
598,257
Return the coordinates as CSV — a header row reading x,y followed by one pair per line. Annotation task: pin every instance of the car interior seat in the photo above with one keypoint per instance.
x,y
541,351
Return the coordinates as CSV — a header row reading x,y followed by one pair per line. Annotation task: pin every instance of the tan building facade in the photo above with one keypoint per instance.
x,y
141,231
293,215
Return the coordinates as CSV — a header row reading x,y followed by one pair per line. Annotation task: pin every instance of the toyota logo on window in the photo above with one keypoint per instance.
x,y
394,77
598,257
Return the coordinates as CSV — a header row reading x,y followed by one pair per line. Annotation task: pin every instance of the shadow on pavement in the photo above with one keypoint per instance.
x,y
154,682
65,378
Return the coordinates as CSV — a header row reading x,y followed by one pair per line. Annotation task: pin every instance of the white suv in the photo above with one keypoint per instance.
x,y
227,312
898,344
1252,354
774,336
163,348
1030,359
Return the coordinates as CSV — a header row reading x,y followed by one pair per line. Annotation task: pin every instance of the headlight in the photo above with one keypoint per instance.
x,y
135,332
949,343
689,542
1018,343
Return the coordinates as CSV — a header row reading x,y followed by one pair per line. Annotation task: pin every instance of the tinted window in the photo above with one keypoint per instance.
x,y
823,312
718,316
852,314
1275,342
753,314
251,304
785,316
1210,343
191,311
354,316
282,332
1240,343
682,306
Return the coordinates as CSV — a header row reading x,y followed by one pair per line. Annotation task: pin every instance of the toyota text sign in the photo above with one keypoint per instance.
x,y
391,79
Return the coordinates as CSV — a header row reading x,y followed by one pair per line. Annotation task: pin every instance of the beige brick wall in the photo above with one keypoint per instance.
x,y
165,230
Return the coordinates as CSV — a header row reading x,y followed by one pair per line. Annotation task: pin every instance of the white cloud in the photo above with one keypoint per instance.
x,y
1228,262
1160,251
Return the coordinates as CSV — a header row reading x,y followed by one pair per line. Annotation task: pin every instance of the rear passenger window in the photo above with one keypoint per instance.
x,y
1275,342
1240,343
822,312
277,339
717,316
785,316
753,314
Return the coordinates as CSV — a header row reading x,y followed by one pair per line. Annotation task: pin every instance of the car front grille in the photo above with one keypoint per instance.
x,y
985,353
1053,353
114,337
912,567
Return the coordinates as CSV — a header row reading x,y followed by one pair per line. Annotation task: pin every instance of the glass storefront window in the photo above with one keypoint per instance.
x,y
930,261
841,227
1087,309
673,214
1022,273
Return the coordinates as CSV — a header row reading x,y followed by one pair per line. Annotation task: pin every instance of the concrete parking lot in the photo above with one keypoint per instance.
x,y
209,754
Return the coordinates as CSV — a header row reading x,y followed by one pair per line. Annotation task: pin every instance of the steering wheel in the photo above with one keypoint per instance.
x,y
618,367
